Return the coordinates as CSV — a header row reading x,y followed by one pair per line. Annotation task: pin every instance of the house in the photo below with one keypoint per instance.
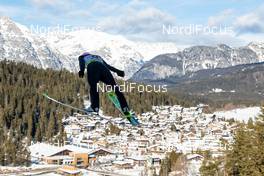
x,y
157,136
157,149
69,170
40,150
90,126
154,161
124,164
67,155
142,144
97,154
101,143
79,159
130,137
217,132
194,157
87,143
138,160
72,129
104,123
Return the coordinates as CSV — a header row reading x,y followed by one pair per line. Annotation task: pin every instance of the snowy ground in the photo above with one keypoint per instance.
x,y
241,114
86,103
36,169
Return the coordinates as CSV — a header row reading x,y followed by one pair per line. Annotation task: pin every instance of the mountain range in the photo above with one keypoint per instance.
x,y
197,58
240,84
219,74
19,44
58,50
199,70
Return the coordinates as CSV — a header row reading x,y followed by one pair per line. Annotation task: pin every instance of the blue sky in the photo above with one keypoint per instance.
x,y
145,19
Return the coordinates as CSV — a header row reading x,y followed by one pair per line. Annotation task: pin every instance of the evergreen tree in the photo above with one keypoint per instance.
x,y
250,123
246,154
173,162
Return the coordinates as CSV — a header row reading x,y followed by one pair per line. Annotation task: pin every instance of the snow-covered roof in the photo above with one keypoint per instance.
x,y
96,150
76,149
104,121
90,124
192,156
138,158
44,150
76,171
123,162
72,127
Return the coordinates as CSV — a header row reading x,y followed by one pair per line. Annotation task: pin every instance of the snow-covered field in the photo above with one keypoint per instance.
x,y
241,114
34,168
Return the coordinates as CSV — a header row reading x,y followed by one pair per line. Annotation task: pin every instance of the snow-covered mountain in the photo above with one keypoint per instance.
x,y
117,50
198,58
258,48
151,50
61,50
17,43
114,49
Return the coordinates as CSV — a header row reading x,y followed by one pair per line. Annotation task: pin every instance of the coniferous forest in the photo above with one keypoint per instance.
x,y
244,157
26,116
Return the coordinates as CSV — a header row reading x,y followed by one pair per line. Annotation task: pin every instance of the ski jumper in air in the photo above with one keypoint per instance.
x,y
99,70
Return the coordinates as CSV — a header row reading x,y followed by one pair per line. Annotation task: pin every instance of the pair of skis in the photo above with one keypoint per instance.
x,y
113,98
130,116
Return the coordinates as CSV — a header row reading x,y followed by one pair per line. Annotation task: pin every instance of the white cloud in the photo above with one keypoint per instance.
x,y
102,6
137,3
147,24
56,5
221,19
133,21
78,13
251,22
139,20
250,37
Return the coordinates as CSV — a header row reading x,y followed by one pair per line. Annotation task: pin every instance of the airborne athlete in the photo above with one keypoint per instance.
x,y
99,70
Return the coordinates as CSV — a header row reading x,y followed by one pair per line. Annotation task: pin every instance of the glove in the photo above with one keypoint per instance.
x,y
81,74
120,73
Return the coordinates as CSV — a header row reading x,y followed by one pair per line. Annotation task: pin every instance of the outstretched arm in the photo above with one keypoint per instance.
x,y
82,66
111,68
117,71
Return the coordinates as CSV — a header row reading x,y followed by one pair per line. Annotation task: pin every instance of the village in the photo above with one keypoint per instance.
x,y
91,146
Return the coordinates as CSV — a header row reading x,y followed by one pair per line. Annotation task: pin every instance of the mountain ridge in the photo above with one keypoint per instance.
x,y
240,83
198,58
18,44
60,50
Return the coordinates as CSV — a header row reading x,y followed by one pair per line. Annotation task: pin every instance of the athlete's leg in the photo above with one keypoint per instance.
x,y
108,79
93,75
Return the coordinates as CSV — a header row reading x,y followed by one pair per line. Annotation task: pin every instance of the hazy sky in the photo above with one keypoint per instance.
x,y
185,22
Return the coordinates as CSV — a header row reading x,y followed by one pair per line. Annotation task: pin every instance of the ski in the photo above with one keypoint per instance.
x,y
75,108
131,117
64,104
